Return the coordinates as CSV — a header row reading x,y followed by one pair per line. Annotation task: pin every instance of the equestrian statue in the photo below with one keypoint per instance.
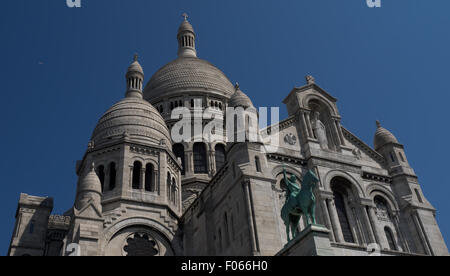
x,y
299,201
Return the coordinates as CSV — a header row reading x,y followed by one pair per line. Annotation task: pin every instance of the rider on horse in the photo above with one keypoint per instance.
x,y
299,201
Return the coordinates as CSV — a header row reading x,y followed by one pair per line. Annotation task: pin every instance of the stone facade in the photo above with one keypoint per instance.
x,y
141,194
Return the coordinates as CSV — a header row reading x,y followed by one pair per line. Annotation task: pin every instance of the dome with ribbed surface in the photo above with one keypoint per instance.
x,y
239,98
89,190
134,118
383,137
135,67
188,74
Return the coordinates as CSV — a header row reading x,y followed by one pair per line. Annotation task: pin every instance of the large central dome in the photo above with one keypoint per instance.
x,y
188,73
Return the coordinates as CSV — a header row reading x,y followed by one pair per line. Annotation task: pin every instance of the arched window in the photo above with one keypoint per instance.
x,y
200,158
419,198
149,182
390,238
220,156
343,217
178,150
168,186
137,168
174,191
258,164
383,212
392,156
101,176
112,176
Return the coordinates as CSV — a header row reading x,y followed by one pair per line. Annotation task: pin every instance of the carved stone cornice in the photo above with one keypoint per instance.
x,y
286,159
376,177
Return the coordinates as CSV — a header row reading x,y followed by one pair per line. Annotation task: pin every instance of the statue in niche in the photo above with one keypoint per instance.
x,y
320,131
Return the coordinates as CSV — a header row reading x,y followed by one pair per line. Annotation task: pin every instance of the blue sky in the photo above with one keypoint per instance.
x,y
62,68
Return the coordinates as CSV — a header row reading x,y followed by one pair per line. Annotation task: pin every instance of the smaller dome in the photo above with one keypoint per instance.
x,y
90,182
239,98
135,66
89,190
383,137
134,118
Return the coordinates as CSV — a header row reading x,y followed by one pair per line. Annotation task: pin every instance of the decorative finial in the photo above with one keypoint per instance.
x,y
93,166
237,86
310,79
378,124
185,16
135,57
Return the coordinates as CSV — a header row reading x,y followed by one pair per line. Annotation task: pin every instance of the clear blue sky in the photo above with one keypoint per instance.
x,y
62,68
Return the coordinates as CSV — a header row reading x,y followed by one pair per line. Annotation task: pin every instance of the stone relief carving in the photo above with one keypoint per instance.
x,y
290,139
382,212
357,153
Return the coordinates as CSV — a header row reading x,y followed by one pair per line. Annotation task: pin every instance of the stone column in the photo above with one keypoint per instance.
x,y
336,133
130,179
212,159
326,214
250,216
373,219
187,163
352,221
141,182
308,122
396,221
307,133
357,217
157,182
421,233
339,127
335,220
368,224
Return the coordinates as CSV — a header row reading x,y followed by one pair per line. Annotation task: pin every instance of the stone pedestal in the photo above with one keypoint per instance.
x,y
313,241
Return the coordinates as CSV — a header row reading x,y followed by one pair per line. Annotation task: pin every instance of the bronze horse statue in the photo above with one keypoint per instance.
x,y
298,202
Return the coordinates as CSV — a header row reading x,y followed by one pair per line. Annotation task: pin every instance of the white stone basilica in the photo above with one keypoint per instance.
x,y
139,194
